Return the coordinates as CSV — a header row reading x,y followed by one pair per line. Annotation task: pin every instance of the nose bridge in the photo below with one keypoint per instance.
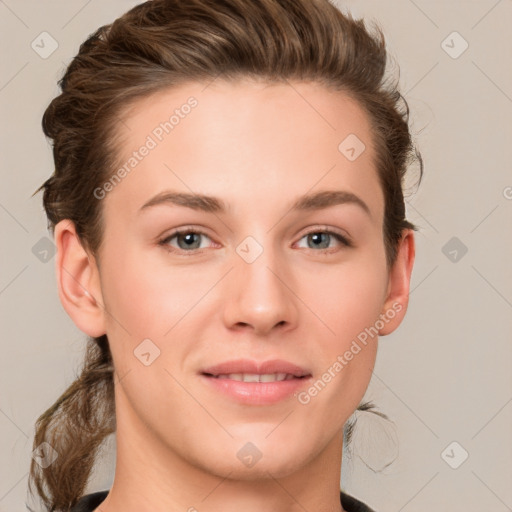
x,y
259,296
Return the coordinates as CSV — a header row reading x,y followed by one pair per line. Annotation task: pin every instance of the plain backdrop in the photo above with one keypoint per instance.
x,y
444,377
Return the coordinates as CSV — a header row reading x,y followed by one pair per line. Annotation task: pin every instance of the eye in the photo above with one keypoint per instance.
x,y
185,239
192,240
321,239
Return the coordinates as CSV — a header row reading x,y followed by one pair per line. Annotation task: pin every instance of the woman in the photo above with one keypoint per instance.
x,y
228,211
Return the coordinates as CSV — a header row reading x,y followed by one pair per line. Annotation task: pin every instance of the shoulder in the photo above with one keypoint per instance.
x,y
351,504
89,502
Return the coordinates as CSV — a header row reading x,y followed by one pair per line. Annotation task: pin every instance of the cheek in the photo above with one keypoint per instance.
x,y
346,353
349,298
349,306
148,299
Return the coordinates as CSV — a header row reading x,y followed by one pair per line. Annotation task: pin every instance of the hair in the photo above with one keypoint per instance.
x,y
157,45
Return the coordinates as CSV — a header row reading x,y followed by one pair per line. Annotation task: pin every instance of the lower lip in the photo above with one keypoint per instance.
x,y
257,393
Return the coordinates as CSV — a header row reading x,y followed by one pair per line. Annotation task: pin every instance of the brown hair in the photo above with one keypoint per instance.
x,y
160,44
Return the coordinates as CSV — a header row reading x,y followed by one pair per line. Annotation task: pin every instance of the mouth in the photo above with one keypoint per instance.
x,y
277,367
256,377
250,382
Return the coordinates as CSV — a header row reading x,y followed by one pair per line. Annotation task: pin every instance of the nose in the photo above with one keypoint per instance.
x,y
260,296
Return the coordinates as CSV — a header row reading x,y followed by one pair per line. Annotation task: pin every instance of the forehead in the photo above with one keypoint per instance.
x,y
226,137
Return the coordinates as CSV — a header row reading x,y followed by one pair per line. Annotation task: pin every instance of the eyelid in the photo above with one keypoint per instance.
x,y
184,229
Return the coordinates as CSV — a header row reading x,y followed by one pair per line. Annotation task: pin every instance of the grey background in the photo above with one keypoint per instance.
x,y
444,376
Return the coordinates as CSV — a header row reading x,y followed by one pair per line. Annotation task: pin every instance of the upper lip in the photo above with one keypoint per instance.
x,y
255,367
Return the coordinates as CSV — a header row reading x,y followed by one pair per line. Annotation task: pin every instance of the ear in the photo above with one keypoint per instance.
x,y
78,281
397,298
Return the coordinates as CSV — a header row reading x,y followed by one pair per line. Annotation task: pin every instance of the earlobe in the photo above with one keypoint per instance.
x,y
397,300
78,281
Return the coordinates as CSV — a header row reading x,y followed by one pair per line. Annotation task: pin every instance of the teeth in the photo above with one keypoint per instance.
x,y
255,377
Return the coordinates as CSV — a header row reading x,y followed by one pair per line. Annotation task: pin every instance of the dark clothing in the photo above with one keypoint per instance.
x,y
89,502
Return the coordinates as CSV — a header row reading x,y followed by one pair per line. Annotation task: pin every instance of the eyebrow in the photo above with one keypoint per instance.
x,y
210,204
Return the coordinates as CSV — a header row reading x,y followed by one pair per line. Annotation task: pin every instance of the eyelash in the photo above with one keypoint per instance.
x,y
185,231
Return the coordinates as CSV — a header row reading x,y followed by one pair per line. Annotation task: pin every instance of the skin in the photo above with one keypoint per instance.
x,y
258,147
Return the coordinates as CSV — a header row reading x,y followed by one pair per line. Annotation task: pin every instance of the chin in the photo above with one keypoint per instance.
x,y
279,467
261,459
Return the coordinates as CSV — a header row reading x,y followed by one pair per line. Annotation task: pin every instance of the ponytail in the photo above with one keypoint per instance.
x,y
69,434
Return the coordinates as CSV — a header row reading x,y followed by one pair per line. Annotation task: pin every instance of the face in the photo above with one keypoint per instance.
x,y
279,256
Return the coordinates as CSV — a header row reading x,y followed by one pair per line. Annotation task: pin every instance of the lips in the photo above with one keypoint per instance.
x,y
250,367
256,383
